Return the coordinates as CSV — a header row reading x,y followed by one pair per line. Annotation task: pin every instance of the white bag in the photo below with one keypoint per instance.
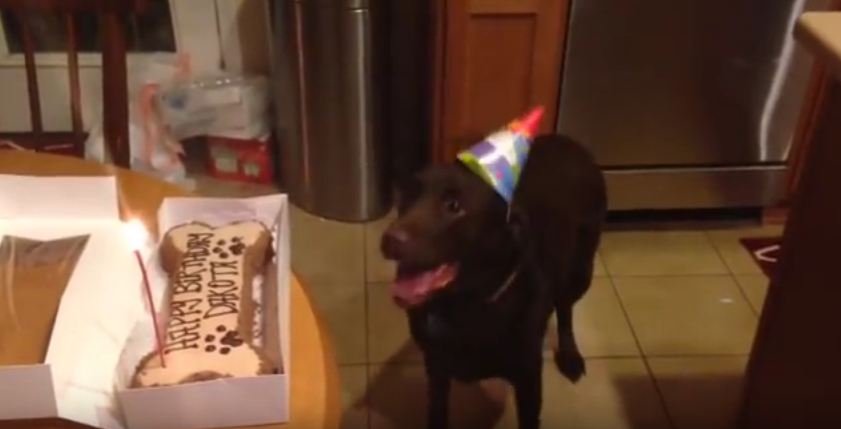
x,y
153,149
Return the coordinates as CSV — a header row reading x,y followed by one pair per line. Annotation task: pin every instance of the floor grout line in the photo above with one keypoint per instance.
x,y
669,418
367,325
756,311
365,291
549,359
639,276
718,252
366,396
695,356
603,261
734,277
351,365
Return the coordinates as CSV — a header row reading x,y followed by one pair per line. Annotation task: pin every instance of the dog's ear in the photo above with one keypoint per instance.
x,y
519,225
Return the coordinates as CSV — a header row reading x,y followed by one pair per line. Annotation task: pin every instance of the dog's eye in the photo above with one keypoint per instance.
x,y
453,205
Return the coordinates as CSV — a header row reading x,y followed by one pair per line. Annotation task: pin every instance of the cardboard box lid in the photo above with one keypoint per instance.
x,y
100,302
30,197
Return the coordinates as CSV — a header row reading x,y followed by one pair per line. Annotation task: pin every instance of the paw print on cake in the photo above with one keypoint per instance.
x,y
237,246
220,251
223,250
224,341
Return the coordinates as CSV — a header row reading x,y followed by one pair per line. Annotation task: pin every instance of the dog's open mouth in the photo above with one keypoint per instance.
x,y
412,289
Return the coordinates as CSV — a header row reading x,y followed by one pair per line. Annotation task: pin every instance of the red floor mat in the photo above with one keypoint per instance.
x,y
765,251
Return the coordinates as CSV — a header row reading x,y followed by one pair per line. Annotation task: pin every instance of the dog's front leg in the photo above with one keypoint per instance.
x,y
568,358
528,391
439,400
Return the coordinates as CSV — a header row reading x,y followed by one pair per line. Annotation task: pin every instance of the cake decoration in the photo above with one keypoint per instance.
x,y
209,332
501,156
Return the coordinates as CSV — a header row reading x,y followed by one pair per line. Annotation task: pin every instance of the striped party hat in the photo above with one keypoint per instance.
x,y
500,157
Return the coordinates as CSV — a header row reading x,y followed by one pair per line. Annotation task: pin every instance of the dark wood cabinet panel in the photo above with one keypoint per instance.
x,y
497,72
793,378
495,59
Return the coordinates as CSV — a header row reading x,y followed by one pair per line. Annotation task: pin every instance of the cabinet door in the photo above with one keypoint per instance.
x,y
496,59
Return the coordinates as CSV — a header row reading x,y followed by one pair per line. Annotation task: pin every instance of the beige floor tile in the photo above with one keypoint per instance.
x,y
683,315
354,385
737,258
755,287
326,252
345,316
615,394
397,398
377,268
659,253
700,393
389,340
600,325
327,258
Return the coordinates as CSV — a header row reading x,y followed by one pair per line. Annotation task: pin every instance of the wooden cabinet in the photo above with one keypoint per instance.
x,y
813,110
793,378
493,59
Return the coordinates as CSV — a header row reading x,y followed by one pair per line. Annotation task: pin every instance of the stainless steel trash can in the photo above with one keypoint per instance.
x,y
328,108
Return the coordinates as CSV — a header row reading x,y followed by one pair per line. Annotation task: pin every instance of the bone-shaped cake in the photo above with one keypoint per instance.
x,y
209,332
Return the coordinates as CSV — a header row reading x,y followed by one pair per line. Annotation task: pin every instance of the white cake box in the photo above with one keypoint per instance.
x,y
97,310
223,402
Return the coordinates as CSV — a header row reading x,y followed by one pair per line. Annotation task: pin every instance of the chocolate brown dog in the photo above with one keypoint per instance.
x,y
479,278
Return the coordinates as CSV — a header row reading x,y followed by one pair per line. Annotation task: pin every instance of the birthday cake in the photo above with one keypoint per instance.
x,y
210,326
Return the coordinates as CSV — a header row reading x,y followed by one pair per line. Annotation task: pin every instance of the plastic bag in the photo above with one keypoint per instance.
x,y
153,149
231,106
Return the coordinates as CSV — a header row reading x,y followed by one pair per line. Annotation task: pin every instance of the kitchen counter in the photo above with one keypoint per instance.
x,y
820,32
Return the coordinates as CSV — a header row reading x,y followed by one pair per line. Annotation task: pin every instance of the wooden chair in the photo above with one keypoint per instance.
x,y
114,81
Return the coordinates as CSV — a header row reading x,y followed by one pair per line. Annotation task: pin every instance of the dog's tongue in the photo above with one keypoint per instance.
x,y
411,291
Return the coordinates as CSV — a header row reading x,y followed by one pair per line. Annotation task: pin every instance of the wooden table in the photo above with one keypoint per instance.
x,y
820,32
314,390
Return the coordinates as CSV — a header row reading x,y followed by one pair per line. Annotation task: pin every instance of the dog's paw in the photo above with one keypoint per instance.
x,y
571,364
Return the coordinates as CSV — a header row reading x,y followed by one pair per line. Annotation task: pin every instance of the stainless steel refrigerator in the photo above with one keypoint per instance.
x,y
685,103
329,98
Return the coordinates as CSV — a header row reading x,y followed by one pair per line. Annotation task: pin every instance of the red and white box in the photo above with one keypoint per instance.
x,y
241,160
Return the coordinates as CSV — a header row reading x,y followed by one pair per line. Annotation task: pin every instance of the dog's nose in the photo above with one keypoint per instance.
x,y
393,243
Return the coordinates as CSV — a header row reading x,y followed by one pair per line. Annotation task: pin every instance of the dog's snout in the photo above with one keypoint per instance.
x,y
394,243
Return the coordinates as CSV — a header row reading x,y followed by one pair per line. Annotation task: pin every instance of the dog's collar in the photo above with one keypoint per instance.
x,y
507,284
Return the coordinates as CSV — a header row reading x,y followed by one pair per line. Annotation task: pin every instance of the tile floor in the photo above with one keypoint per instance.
x,y
666,329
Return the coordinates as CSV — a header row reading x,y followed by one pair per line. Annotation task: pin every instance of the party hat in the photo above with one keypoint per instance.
x,y
500,157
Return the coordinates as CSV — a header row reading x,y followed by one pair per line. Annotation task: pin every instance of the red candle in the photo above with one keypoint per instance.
x,y
137,236
148,288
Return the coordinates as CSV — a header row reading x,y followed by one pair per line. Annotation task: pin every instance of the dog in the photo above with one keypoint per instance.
x,y
479,278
